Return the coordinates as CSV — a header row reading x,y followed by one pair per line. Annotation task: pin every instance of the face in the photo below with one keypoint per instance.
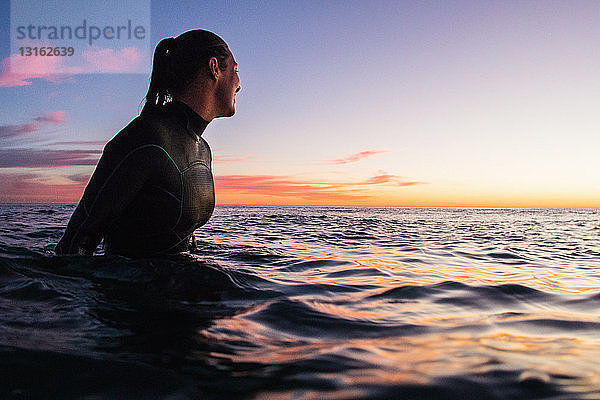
x,y
229,85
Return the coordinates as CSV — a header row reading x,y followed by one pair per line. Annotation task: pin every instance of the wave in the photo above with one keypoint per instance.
x,y
301,319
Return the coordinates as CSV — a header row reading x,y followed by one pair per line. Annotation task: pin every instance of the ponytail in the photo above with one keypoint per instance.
x,y
159,91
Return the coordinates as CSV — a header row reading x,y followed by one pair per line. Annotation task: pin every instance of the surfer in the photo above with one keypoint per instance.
x,y
153,185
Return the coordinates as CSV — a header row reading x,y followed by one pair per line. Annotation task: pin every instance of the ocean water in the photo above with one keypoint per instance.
x,y
309,303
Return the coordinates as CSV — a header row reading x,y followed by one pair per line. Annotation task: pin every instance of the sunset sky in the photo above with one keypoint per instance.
x,y
399,103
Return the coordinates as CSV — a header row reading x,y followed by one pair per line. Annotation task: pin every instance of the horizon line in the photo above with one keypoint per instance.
x,y
335,206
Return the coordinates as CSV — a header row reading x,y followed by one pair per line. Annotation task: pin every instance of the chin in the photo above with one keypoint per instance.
x,y
227,113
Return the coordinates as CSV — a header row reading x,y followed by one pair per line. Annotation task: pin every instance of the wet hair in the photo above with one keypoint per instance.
x,y
178,60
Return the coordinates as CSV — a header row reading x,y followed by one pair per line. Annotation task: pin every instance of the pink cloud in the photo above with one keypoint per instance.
x,y
52,117
129,59
388,178
7,131
93,143
36,188
19,71
283,186
31,187
56,117
29,158
356,156
80,178
376,180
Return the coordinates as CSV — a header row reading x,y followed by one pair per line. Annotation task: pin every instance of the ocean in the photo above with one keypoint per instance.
x,y
309,303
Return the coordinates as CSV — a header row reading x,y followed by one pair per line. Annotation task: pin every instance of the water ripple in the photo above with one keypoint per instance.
x,y
309,302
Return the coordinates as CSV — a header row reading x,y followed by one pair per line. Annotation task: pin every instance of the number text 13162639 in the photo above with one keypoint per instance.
x,y
47,51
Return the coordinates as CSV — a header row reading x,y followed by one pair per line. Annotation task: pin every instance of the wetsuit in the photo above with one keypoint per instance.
x,y
152,187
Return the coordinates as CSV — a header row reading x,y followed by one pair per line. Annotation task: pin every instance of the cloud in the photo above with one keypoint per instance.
x,y
19,70
283,186
95,143
80,178
356,157
7,131
46,186
52,117
387,178
129,59
30,158
55,117
31,187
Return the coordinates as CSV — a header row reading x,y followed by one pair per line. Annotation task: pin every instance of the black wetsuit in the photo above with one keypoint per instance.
x,y
151,189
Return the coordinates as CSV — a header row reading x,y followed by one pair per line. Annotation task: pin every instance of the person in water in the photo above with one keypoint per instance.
x,y
153,185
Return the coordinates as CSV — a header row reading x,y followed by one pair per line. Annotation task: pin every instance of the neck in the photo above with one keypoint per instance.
x,y
195,122
199,99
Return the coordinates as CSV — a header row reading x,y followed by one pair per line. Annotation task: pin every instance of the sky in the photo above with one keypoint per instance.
x,y
350,103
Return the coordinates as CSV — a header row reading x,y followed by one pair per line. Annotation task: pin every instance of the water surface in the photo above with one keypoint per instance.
x,y
309,302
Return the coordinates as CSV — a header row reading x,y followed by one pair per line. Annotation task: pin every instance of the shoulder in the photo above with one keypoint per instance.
x,y
151,128
144,136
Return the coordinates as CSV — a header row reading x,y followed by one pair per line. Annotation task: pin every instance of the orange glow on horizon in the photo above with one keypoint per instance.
x,y
72,194
378,191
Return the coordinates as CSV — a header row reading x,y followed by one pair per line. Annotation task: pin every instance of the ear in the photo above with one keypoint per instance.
x,y
213,66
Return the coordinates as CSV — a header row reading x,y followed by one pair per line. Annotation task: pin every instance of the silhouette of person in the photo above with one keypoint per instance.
x,y
153,185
